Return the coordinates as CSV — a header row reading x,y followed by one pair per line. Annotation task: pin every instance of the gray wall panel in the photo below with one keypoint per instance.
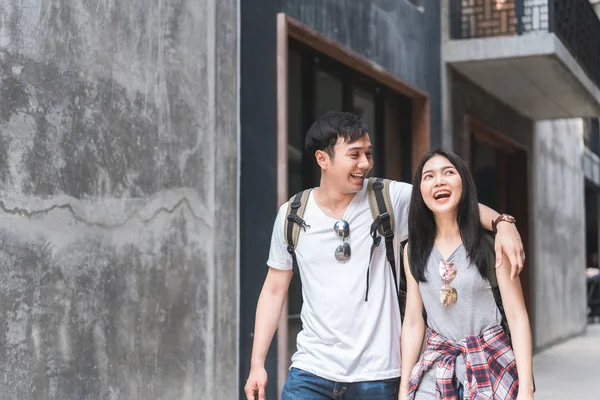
x,y
119,155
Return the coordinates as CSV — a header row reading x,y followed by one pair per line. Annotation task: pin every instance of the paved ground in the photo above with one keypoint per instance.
x,y
570,370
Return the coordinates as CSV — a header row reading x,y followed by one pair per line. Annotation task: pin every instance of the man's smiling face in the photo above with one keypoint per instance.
x,y
349,165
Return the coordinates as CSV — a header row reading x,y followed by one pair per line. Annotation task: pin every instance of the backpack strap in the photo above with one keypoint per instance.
x,y
493,280
294,222
378,193
383,223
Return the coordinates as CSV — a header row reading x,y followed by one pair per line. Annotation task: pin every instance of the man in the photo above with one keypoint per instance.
x,y
349,346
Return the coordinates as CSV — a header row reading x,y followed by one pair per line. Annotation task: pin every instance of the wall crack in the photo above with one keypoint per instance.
x,y
184,202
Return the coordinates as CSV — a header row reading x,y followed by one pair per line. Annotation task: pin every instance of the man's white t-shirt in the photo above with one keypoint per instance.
x,y
345,338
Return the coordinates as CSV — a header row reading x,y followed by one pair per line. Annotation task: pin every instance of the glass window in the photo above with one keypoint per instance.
x,y
328,93
485,168
363,104
328,96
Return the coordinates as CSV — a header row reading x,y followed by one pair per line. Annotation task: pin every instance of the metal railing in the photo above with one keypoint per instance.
x,y
574,21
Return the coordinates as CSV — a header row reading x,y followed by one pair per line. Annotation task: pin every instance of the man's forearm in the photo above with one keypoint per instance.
x,y
487,215
508,241
268,313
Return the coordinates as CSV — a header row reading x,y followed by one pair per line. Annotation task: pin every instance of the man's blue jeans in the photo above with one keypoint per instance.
x,y
302,385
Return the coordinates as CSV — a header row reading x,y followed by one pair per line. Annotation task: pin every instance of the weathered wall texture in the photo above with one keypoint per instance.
x,y
469,100
559,222
118,165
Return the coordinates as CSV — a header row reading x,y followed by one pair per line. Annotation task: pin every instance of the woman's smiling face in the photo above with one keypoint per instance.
x,y
441,185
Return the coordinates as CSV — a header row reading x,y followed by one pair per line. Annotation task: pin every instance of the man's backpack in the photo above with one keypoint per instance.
x,y
378,194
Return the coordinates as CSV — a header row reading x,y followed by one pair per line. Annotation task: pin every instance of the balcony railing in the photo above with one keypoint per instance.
x,y
574,21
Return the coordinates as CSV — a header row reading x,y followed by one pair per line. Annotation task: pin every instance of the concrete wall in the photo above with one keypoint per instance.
x,y
401,37
118,166
468,99
559,223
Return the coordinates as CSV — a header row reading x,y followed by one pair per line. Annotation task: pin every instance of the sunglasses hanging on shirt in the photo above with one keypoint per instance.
x,y
448,294
342,252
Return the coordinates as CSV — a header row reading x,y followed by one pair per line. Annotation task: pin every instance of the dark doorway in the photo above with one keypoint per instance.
x,y
318,84
501,174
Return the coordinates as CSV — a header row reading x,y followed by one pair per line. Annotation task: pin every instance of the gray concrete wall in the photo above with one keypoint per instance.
x,y
468,99
559,223
118,168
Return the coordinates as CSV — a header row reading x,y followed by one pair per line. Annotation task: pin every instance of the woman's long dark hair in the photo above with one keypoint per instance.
x,y
421,223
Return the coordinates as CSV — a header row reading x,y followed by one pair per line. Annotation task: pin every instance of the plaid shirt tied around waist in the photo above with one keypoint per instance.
x,y
490,362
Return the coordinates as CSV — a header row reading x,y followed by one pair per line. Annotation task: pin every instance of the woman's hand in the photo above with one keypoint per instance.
x,y
525,395
403,394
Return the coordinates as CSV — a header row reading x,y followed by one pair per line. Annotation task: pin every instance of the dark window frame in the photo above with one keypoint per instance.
x,y
311,61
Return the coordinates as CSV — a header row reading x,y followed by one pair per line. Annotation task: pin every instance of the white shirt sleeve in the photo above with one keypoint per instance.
x,y
279,257
400,194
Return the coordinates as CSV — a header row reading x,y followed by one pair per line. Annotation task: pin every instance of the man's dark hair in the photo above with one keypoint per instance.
x,y
325,131
422,227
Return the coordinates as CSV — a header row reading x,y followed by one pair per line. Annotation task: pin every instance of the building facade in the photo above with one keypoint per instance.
x,y
518,82
304,58
519,76
146,147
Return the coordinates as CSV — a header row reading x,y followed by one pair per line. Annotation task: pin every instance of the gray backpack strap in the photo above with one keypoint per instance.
x,y
493,280
381,206
294,222
378,193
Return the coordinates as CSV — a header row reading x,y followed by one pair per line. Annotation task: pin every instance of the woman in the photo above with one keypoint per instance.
x,y
467,353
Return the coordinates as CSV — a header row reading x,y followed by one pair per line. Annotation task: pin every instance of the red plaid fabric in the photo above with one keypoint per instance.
x,y
490,362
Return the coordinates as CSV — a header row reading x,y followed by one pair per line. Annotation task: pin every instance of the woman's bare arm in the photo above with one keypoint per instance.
x,y
413,328
518,323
